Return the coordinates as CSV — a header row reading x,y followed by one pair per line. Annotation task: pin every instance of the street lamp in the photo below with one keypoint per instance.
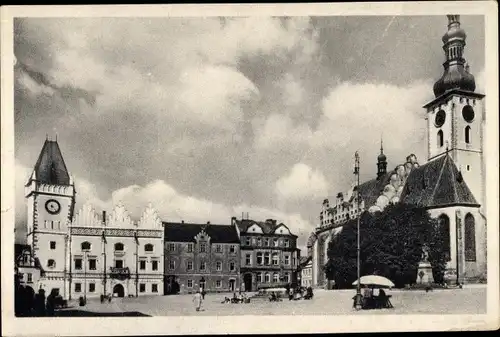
x,y
358,298
85,276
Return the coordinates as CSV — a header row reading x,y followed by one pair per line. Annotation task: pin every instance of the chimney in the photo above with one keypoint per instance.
x,y
233,220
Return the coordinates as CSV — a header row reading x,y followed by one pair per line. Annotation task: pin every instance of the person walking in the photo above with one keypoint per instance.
x,y
197,299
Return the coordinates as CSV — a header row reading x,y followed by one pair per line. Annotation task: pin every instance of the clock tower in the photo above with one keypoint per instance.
x,y
455,118
50,195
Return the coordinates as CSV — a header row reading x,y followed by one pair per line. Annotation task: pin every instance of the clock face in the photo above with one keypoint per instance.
x,y
440,118
52,206
468,113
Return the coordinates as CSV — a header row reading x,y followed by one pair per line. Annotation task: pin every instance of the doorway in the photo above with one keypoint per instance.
x,y
119,290
247,280
232,284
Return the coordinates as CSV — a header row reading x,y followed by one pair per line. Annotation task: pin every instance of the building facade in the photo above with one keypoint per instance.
x,y
451,185
82,254
269,254
306,271
201,256
27,268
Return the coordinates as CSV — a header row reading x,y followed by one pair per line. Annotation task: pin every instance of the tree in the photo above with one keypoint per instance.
x,y
391,244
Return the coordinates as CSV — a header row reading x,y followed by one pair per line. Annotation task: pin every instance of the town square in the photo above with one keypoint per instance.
x,y
176,166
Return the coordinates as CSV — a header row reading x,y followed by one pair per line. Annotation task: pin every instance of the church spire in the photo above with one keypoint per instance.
x,y
456,70
381,161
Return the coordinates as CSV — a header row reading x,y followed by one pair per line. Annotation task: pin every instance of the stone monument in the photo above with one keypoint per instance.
x,y
424,273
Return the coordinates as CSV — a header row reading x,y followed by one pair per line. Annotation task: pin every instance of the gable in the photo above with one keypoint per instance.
x,y
282,229
254,229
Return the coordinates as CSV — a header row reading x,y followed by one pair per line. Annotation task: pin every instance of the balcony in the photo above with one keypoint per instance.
x,y
119,273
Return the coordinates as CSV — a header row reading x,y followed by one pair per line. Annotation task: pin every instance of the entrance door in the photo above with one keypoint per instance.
x,y
247,279
232,284
118,290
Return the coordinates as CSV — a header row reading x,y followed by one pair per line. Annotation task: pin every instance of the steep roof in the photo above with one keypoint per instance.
x,y
50,167
268,227
437,183
186,232
371,189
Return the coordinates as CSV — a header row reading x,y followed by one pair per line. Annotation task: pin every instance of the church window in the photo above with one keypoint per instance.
x,y
440,138
444,229
467,134
148,247
86,246
470,238
119,247
51,263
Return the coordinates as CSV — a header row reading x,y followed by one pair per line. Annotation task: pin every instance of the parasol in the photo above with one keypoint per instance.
x,y
373,281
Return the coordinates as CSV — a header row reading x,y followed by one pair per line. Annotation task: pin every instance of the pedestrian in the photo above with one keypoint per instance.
x,y
40,303
203,293
197,299
51,303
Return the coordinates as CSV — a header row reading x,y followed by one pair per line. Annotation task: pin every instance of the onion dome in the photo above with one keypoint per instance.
x,y
456,71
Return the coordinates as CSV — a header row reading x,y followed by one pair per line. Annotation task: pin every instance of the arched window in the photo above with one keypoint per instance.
x,y
440,138
267,278
470,238
444,229
119,247
276,277
467,134
148,247
86,246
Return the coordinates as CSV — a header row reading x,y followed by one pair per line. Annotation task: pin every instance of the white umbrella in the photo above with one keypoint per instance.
x,y
375,281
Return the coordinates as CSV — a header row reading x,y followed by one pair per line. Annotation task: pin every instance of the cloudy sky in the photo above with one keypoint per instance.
x,y
207,118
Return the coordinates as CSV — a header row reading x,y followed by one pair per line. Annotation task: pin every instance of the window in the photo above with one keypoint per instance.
x,y
142,287
29,277
190,247
440,139
190,265
92,264
203,265
154,288
171,247
232,249
78,264
203,247
119,247
287,243
218,248
275,259
78,287
266,242
267,278
218,283
259,258
258,276
232,266
248,259
52,245
171,265
51,263
248,241
276,277
444,229
467,134
218,265
267,259
470,238
86,246
287,260
275,243
468,167
287,277
259,242
189,283
154,265
148,248
91,287
142,265
293,262
118,263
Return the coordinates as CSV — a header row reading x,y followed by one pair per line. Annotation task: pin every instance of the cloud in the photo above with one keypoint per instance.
x,y
301,182
279,132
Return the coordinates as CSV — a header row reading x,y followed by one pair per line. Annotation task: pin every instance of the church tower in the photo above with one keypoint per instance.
x,y
381,162
455,118
50,195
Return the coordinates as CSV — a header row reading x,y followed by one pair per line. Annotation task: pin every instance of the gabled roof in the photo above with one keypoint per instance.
x,y
304,260
372,189
186,232
50,167
437,183
268,227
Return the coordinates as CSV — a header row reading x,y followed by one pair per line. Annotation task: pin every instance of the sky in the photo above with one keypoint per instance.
x,y
207,118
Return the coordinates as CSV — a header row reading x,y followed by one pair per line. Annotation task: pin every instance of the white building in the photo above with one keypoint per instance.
x,y
306,272
451,185
82,254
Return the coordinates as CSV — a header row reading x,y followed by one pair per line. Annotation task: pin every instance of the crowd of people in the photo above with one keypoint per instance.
x,y
31,304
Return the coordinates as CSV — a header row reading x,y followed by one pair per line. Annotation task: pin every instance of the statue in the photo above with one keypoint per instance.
x,y
425,254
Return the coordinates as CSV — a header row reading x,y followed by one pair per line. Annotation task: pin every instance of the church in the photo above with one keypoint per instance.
x,y
450,185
